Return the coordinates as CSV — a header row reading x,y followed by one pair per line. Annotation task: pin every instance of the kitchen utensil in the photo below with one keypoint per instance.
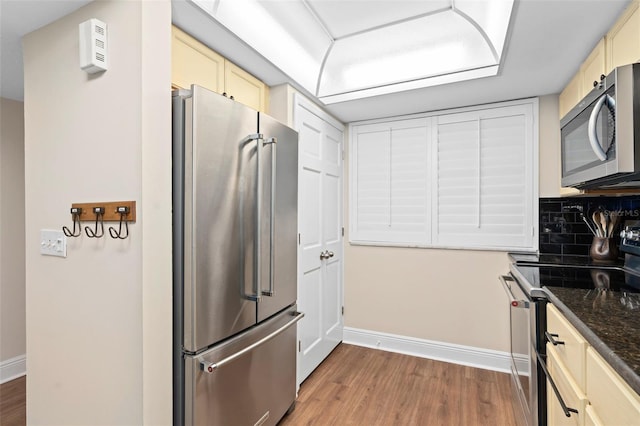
x,y
596,220
604,223
589,225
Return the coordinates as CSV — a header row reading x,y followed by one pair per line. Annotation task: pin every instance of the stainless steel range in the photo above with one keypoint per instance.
x,y
529,285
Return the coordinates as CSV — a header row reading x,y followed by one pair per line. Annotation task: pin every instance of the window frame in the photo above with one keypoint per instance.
x,y
531,160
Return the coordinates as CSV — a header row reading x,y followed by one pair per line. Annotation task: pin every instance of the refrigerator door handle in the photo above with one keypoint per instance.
x,y
210,367
257,264
257,261
272,214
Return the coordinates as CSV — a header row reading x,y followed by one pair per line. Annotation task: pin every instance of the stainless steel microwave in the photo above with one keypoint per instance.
x,y
600,137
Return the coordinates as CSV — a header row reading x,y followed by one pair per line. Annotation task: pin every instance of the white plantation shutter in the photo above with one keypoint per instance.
x,y
483,185
390,170
462,180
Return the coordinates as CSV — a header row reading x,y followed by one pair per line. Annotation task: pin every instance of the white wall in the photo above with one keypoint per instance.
x,y
12,274
448,296
99,321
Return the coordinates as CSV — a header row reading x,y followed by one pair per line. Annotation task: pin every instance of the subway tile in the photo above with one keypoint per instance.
x,y
582,249
550,248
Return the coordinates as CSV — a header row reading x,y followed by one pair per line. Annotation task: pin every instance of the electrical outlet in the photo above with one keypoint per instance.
x,y
53,243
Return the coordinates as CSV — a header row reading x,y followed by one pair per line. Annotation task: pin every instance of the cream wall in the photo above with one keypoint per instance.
x,y
99,321
449,296
12,274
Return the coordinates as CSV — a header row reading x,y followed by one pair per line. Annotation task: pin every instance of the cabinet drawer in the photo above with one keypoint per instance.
x,y
612,399
573,352
573,397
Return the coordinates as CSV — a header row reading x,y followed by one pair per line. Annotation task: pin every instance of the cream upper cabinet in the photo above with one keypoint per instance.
x,y
571,95
244,87
620,46
582,83
194,63
593,67
623,40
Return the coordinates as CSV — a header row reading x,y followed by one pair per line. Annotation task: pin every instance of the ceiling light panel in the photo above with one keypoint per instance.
x,y
342,50
343,18
491,16
285,32
421,48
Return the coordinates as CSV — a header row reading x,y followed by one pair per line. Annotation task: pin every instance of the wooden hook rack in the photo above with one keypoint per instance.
x,y
111,213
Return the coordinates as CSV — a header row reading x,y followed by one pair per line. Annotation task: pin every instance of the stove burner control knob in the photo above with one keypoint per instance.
x,y
631,235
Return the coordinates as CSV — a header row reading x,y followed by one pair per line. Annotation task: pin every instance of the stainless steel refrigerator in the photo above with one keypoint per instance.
x,y
235,186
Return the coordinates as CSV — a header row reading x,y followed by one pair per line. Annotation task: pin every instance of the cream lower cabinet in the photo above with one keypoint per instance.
x,y
194,63
569,390
585,381
613,401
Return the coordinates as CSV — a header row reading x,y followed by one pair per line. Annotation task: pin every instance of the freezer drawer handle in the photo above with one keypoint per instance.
x,y
211,367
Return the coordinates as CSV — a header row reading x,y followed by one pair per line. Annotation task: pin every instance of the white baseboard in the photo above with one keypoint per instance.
x,y
13,368
457,354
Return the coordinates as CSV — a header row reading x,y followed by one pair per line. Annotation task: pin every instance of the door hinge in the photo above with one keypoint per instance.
x,y
343,310
343,231
299,346
299,239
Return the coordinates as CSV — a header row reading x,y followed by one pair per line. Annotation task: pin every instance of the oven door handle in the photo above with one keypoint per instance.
x,y
567,410
512,299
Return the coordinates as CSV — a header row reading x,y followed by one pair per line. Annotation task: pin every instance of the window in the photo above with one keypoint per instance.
x,y
465,179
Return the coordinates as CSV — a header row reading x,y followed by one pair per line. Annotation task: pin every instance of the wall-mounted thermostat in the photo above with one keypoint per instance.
x,y
93,46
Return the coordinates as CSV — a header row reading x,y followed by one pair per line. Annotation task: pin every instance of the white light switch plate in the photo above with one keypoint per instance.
x,y
53,243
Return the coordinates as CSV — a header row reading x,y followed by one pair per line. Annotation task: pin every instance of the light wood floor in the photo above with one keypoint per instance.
x,y
13,406
360,386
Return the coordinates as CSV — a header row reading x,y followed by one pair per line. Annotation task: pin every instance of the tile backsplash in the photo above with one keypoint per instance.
x,y
562,230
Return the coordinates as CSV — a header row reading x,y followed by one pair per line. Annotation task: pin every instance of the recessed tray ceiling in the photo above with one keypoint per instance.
x,y
344,50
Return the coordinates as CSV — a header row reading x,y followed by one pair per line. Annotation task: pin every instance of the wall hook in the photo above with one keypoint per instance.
x,y
75,216
99,212
124,211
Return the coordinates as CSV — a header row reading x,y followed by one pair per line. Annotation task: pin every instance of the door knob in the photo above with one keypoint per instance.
x,y
326,254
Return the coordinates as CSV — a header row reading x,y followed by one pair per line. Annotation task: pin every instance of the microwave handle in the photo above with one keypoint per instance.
x,y
593,135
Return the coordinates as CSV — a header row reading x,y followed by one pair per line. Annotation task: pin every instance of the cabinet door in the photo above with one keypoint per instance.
x,y
194,63
623,40
591,418
244,87
614,401
593,68
573,351
573,397
571,95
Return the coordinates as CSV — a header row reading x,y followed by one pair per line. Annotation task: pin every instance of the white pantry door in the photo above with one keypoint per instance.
x,y
320,267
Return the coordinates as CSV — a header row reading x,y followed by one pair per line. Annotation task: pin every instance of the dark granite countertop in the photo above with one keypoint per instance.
x,y
553,259
609,321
